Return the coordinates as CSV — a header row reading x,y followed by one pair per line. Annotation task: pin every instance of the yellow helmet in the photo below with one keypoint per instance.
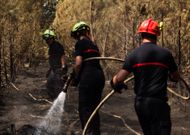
x,y
48,34
78,28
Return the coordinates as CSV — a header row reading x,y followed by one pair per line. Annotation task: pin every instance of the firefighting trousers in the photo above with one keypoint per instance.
x,y
153,115
54,83
90,90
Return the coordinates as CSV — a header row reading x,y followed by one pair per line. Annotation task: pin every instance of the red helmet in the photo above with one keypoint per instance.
x,y
149,26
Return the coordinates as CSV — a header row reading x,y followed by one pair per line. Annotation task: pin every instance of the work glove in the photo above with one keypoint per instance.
x,y
75,80
118,87
64,78
61,71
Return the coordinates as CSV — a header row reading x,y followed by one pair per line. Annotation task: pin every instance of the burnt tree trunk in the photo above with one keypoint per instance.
x,y
0,60
105,39
92,18
11,49
5,65
179,43
162,30
179,34
134,29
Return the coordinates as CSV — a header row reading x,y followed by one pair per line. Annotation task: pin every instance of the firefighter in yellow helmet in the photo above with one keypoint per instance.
x,y
89,74
57,63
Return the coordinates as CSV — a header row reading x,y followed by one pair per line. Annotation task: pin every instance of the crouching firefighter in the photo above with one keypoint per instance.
x,y
151,66
58,67
89,75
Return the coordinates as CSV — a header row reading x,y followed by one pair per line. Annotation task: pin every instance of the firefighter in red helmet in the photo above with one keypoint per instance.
x,y
149,26
151,66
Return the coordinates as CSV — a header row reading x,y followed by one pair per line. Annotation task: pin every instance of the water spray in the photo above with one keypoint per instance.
x,y
52,122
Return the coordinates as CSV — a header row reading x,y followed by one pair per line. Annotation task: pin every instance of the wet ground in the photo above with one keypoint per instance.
x,y
21,111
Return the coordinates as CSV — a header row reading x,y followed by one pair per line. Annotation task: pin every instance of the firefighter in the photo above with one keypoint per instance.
x,y
89,75
57,63
151,66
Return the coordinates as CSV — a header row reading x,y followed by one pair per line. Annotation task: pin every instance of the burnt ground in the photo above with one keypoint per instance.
x,y
23,113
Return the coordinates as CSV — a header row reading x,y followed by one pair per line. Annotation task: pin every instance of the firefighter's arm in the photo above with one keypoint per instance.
x,y
63,64
78,63
117,81
77,67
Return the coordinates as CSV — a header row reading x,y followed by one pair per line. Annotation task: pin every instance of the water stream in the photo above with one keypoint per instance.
x,y
50,125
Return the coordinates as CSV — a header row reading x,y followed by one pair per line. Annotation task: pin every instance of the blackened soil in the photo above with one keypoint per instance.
x,y
20,113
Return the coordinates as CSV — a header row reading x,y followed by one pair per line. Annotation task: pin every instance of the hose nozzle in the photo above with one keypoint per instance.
x,y
66,85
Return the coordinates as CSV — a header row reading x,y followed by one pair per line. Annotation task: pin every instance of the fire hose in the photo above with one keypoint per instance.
x,y
127,80
169,89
